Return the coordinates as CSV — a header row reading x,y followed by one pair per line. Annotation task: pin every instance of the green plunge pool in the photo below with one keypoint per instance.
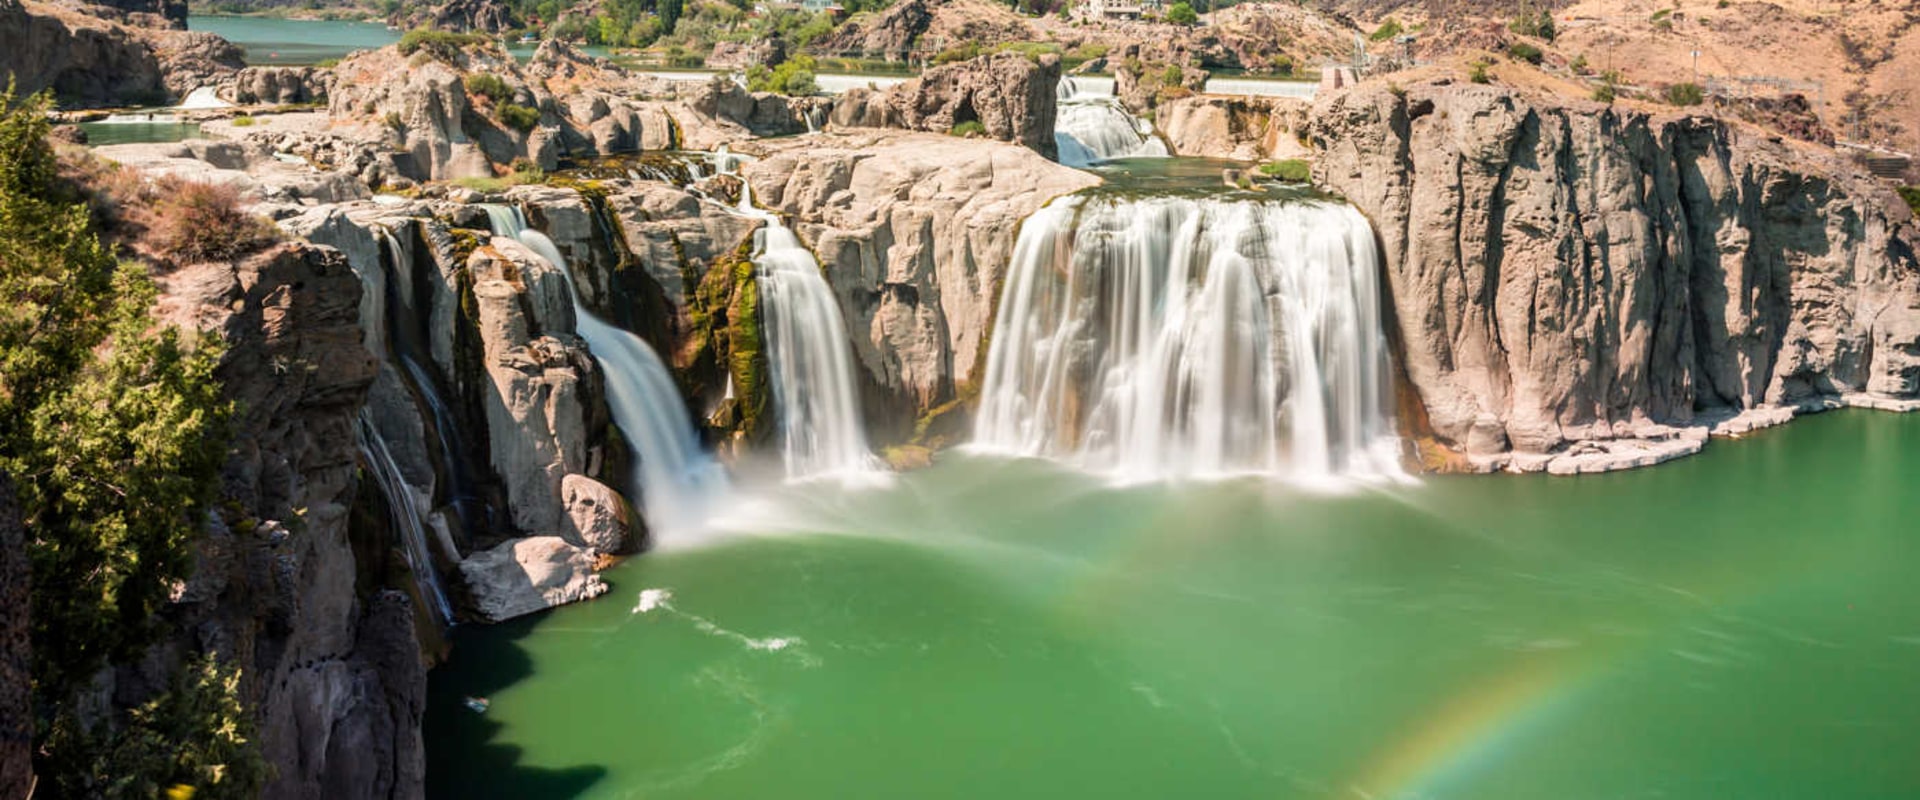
x,y
1745,623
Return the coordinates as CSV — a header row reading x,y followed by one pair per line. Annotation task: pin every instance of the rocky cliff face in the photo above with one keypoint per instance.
x,y
1012,97
89,61
335,672
1580,287
915,233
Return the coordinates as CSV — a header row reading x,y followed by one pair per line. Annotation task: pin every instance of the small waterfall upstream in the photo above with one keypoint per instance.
x,y
677,481
1177,336
407,515
1090,128
812,359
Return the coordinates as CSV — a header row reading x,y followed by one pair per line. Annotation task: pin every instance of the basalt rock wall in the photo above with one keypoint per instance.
x,y
1578,286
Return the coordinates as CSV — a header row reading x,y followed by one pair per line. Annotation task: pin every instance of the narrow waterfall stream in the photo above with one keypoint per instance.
x,y
407,515
811,356
1091,127
1181,336
677,481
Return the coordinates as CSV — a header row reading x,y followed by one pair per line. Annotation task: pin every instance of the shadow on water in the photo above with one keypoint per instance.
x,y
464,758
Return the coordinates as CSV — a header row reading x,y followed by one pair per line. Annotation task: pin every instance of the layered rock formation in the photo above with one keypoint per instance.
x,y
915,233
1012,97
334,672
1580,287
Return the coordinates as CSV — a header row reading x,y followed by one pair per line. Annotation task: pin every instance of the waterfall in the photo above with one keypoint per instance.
x,y
1090,128
406,514
676,482
811,356
1178,336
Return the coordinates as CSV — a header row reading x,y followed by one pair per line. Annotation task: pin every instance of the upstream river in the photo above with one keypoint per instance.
x,y
1744,623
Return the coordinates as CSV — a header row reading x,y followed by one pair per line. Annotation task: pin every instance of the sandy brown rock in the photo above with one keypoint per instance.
x,y
1237,128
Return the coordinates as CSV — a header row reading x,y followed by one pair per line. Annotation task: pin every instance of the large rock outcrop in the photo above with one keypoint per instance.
x,y
333,670
1234,127
915,233
1012,97
88,61
279,85
1579,287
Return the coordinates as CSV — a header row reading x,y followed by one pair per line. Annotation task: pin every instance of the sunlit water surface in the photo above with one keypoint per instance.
x,y
1740,624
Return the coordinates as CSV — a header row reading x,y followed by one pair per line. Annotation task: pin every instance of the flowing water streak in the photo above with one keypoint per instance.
x,y
677,481
408,517
811,356
1091,127
1173,336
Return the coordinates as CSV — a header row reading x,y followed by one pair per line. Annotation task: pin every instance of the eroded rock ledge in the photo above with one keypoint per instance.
x,y
1577,287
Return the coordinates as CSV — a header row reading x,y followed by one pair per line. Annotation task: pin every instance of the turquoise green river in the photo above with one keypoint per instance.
x,y
1741,624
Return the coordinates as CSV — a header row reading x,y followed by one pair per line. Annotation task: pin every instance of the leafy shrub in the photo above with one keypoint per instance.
x,y
971,127
1686,94
1090,51
792,77
1387,30
490,86
198,735
394,121
1911,194
194,221
243,121
1032,50
1181,13
443,45
518,117
1171,76
112,432
326,63
1477,71
1579,64
1283,64
1609,88
1522,51
1292,170
957,53
1538,24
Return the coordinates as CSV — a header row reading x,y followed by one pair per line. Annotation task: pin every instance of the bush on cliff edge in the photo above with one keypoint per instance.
x,y
113,430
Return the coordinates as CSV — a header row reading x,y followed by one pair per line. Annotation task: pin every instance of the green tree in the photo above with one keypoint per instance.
x,y
1182,14
112,429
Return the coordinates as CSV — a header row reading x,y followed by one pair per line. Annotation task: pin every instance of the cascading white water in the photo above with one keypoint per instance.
x,y
677,482
1174,336
1090,127
810,354
406,513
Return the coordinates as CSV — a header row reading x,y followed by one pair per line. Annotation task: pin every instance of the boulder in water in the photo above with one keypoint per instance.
x,y
521,576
